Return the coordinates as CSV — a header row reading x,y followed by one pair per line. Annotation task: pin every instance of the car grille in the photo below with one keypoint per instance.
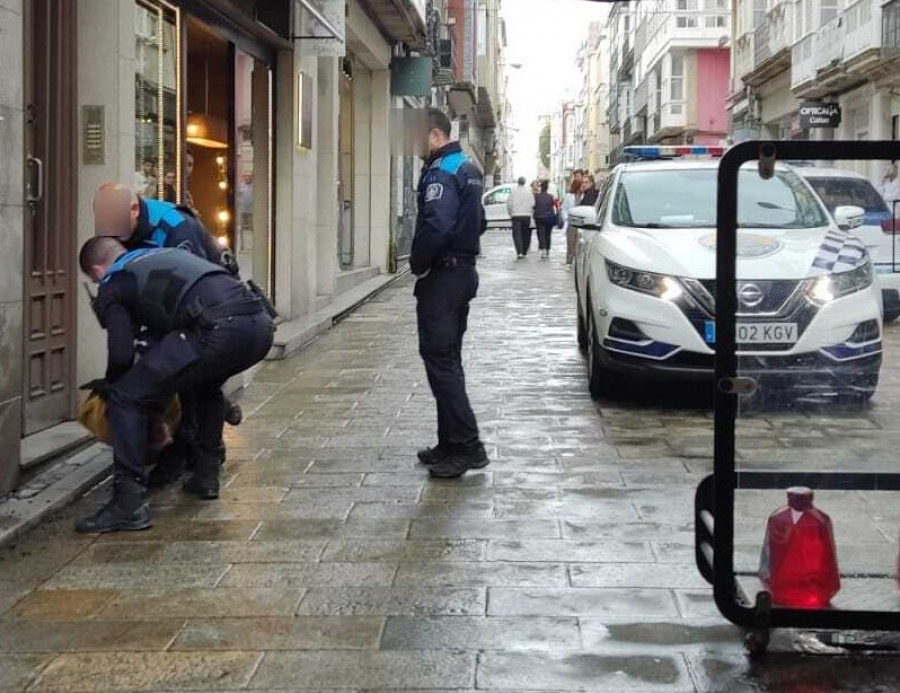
x,y
782,301
775,294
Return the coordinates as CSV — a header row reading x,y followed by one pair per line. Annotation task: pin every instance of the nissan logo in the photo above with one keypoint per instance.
x,y
750,295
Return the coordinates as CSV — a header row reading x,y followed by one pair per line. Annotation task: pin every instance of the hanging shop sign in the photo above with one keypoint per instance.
x,y
819,115
411,76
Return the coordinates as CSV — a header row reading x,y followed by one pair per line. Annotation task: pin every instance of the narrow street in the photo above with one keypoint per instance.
x,y
332,562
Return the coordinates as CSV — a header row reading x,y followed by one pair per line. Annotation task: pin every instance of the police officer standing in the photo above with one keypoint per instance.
x,y
208,327
447,240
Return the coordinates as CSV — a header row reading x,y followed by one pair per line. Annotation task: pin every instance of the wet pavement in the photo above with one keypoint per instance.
x,y
332,562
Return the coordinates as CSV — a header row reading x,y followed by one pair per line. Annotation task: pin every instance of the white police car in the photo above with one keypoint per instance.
x,y
837,187
809,316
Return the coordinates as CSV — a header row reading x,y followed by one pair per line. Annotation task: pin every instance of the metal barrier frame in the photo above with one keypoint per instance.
x,y
714,500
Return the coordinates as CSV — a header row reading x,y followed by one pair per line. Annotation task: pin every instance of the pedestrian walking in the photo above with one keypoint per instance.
x,y
449,224
205,325
570,201
521,205
544,217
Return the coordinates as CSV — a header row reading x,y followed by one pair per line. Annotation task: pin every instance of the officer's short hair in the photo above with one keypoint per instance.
x,y
522,180
438,120
99,250
545,185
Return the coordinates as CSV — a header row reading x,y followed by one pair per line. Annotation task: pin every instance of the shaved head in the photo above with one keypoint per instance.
x,y
97,254
116,211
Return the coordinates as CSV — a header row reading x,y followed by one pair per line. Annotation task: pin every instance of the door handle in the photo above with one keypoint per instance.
x,y
35,197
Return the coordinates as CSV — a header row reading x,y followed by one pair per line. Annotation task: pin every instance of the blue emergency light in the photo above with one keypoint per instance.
x,y
672,151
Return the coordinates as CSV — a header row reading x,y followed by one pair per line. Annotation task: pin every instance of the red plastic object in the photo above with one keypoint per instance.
x,y
799,563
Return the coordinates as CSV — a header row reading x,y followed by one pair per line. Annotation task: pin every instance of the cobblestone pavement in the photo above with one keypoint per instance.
x,y
332,562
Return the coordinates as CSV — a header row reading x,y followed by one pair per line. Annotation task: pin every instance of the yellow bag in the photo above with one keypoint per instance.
x,y
92,415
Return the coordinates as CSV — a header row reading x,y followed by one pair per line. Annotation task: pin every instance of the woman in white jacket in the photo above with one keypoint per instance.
x,y
520,206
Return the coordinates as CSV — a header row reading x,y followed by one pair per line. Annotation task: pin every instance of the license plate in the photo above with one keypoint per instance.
x,y
758,332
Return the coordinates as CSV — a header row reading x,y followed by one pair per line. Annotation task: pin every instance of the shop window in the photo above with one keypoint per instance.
x,y
156,80
252,153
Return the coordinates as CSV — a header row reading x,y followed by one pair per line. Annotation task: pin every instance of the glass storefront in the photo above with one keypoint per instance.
x,y
156,107
204,131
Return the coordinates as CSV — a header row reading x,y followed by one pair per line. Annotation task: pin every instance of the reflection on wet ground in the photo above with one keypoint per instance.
x,y
332,563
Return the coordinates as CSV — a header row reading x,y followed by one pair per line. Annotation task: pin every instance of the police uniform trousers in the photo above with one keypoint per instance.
x,y
442,310
195,361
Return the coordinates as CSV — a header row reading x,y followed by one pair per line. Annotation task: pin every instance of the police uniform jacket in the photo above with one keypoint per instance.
x,y
158,288
451,217
164,225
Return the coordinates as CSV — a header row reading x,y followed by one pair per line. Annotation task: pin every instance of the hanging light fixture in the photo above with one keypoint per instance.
x,y
203,129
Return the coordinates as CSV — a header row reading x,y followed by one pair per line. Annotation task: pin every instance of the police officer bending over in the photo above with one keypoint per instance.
x,y
209,327
447,240
140,223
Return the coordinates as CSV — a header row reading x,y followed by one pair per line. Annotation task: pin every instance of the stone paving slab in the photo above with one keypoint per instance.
x,y
333,563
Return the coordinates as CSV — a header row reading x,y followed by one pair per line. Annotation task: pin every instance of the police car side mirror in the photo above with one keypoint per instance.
x,y
584,217
849,216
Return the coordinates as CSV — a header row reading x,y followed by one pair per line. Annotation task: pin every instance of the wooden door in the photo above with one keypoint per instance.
x,y
51,220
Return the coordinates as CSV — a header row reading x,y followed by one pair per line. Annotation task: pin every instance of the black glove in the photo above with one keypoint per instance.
x,y
99,387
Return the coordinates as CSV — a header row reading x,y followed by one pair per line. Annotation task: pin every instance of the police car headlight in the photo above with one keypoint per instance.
x,y
659,285
825,289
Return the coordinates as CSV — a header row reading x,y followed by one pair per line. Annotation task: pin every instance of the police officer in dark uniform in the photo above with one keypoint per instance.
x,y
144,223
447,241
208,326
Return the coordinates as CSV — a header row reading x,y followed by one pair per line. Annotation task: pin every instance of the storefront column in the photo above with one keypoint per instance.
x,y
381,170
327,203
362,164
285,127
106,69
12,215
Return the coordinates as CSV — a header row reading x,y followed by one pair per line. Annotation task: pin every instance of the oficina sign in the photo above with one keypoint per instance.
x,y
819,115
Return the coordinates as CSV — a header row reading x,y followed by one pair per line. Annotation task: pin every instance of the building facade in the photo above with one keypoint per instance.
x,y
594,64
673,58
817,51
270,119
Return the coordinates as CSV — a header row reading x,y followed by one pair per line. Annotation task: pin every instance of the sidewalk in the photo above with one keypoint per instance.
x,y
332,562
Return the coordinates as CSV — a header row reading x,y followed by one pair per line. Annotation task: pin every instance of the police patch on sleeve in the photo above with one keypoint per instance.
x,y
433,192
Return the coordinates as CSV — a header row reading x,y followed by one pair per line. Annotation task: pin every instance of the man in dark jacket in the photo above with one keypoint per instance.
x,y
447,240
207,325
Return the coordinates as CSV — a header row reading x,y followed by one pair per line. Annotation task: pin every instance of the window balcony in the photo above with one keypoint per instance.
x,y
803,69
772,47
846,52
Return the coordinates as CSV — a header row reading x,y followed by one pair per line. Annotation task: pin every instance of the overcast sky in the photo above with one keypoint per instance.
x,y
542,35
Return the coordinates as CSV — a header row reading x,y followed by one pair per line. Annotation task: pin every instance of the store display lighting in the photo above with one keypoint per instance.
x,y
223,241
207,131
223,216
223,185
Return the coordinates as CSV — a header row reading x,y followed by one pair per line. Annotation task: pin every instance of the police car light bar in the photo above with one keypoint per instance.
x,y
672,151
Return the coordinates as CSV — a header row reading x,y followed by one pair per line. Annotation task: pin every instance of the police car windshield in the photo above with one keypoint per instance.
x,y
685,198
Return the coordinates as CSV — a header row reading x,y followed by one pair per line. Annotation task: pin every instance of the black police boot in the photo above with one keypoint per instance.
x,y
128,511
430,456
204,480
458,463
